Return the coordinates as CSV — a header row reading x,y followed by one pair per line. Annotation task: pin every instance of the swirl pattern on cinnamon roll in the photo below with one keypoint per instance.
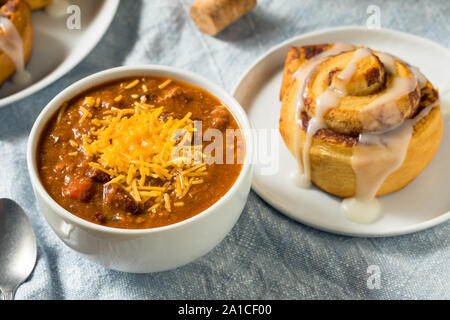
x,y
361,123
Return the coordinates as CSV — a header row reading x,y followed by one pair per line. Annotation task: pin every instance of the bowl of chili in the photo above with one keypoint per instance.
x,y
141,168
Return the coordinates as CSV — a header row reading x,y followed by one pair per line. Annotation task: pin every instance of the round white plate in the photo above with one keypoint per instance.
x,y
422,204
57,49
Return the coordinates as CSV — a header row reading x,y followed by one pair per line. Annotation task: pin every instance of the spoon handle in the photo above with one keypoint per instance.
x,y
8,294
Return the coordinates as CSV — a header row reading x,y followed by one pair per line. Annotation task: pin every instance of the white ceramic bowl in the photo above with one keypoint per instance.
x,y
143,250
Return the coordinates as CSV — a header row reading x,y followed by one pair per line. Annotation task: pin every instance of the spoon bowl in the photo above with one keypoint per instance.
x,y
18,248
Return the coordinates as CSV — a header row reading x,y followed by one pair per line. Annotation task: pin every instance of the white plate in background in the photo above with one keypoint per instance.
x,y
57,49
422,204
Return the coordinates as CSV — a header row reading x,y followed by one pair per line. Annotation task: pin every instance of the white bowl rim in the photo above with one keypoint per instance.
x,y
112,74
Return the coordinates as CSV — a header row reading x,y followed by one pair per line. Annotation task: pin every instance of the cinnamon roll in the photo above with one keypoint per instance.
x,y
360,122
16,40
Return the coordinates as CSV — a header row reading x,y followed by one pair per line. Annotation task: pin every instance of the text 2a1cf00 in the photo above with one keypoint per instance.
x,y
140,153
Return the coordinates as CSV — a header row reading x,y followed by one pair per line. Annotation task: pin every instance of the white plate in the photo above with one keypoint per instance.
x,y
422,204
57,49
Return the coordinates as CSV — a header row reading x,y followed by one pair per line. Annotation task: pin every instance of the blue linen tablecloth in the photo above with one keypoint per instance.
x,y
266,255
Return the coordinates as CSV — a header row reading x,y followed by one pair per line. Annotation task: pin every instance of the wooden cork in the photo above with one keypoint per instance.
x,y
212,16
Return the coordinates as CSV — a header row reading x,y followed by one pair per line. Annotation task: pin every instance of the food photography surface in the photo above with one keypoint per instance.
x,y
224,150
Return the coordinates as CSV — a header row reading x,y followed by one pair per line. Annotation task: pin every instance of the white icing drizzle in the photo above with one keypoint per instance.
x,y
299,180
361,211
330,98
302,179
11,44
388,61
384,109
21,77
373,166
378,154
57,8
347,74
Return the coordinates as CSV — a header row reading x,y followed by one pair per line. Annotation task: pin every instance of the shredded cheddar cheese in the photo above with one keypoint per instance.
x,y
165,84
89,101
152,158
73,143
61,112
132,84
85,114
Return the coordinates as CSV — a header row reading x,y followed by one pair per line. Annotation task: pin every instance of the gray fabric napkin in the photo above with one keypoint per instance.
x,y
266,255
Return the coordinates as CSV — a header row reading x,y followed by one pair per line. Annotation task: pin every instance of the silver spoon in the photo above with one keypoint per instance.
x,y
17,247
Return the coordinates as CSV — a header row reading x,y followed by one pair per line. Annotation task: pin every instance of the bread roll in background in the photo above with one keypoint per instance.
x,y
37,4
212,16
